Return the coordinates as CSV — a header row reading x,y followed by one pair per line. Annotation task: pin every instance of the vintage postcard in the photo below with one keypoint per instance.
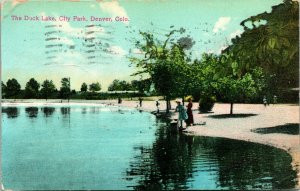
x,y
150,95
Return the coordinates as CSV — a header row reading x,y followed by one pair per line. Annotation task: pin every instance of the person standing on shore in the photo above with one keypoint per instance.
x,y
274,99
265,101
141,101
182,115
190,120
157,106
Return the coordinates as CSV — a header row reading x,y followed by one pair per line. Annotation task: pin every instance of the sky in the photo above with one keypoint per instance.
x,y
88,49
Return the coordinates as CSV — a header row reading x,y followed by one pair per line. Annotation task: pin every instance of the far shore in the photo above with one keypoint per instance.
x,y
218,124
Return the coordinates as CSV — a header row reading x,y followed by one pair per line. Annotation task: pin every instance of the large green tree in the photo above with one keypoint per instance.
x,y
95,87
13,88
119,85
271,41
142,86
65,89
32,89
165,62
84,87
48,88
234,87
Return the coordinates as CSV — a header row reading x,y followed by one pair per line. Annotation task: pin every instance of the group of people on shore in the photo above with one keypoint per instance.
x,y
267,102
185,114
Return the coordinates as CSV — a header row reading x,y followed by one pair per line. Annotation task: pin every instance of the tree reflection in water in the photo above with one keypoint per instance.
x,y
166,165
48,111
244,165
174,161
11,112
65,111
32,112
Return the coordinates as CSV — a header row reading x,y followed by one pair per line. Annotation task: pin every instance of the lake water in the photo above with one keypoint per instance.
x,y
86,147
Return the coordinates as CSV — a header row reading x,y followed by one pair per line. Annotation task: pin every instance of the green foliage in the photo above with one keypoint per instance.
x,y
65,90
240,89
141,85
12,88
165,63
48,89
84,87
3,89
95,87
32,89
118,85
205,73
272,43
207,103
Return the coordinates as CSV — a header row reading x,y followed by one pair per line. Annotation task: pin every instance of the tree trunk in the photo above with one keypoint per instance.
x,y
231,108
168,105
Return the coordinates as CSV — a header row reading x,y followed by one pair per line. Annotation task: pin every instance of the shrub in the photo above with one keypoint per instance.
x,y
206,103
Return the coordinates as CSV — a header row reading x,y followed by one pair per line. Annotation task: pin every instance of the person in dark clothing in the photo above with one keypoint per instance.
x,y
141,101
157,106
190,120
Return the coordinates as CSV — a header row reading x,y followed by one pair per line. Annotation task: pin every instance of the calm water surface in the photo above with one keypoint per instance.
x,y
83,147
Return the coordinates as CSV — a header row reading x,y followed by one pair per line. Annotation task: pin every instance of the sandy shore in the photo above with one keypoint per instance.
x,y
240,128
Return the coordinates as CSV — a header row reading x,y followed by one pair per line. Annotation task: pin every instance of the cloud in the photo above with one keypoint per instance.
x,y
113,8
209,51
117,50
235,33
137,51
221,24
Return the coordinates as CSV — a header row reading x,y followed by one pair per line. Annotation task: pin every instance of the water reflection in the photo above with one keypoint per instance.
x,y
48,111
182,162
95,110
65,111
167,165
170,160
11,112
83,110
244,165
32,112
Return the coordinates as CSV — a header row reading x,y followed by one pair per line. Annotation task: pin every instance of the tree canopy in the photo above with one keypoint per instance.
x,y
65,89
84,87
271,41
32,89
165,62
119,85
12,88
95,87
48,88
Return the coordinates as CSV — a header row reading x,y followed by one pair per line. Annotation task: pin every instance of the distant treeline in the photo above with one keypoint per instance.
x,y
47,90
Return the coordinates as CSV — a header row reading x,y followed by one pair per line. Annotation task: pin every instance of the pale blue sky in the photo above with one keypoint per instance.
x,y
27,51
